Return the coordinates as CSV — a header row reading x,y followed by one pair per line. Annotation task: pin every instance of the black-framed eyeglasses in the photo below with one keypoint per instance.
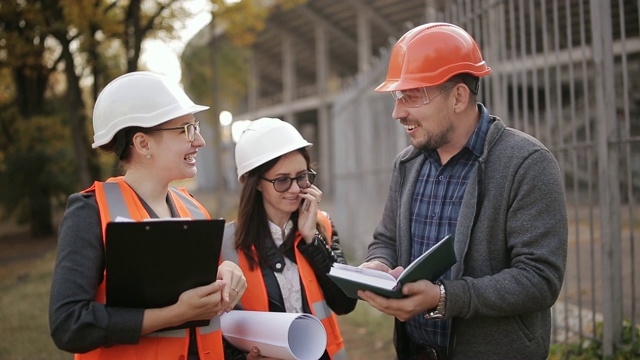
x,y
283,183
190,130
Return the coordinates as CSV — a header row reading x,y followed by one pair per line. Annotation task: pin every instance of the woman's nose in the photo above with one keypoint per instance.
x,y
198,140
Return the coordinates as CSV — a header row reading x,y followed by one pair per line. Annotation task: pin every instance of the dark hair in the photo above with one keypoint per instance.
x,y
252,224
470,81
122,141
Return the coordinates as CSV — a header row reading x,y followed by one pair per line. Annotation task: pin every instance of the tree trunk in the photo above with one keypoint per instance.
x,y
40,217
75,108
220,180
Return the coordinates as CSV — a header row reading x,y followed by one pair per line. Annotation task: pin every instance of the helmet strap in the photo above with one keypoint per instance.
x,y
472,82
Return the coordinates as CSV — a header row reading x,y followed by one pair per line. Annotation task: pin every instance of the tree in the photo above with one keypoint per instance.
x,y
243,20
50,48
26,177
215,73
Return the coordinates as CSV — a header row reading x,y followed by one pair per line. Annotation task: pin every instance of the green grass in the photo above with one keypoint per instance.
x,y
367,333
24,304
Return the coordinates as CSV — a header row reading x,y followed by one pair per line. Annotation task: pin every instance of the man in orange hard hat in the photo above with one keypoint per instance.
x,y
496,189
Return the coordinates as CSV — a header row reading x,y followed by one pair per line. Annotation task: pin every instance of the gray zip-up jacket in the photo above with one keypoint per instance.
x,y
510,242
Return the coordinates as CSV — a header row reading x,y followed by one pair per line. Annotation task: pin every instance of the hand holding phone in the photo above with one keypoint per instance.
x,y
305,205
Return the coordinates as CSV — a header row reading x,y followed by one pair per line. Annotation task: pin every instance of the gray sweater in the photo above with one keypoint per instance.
x,y
510,242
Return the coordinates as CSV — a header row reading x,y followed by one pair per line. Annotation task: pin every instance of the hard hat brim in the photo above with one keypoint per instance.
x,y
408,83
254,163
105,136
266,139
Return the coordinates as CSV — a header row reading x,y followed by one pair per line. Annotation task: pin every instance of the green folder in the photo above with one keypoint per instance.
x,y
429,266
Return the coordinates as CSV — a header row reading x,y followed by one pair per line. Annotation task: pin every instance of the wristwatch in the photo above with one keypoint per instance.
x,y
438,312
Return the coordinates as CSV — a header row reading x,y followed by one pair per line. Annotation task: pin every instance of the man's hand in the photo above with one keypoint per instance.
x,y
375,265
421,296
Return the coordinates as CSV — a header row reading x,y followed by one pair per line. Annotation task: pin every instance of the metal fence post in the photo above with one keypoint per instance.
x,y
608,179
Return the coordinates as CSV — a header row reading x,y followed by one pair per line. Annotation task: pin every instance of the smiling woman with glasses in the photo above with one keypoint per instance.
x,y
126,115
281,237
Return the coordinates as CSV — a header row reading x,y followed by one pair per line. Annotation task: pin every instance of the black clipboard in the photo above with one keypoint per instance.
x,y
150,263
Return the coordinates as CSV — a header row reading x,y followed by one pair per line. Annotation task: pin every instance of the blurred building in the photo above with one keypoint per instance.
x,y
566,72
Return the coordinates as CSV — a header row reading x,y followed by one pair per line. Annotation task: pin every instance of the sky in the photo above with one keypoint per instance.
x,y
163,57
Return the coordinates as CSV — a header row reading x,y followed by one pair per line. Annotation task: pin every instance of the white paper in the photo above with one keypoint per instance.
x,y
378,278
289,336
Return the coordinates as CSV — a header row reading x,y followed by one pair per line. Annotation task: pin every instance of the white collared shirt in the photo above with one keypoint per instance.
x,y
289,278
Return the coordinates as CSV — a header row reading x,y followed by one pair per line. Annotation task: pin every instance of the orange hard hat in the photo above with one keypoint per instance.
x,y
430,54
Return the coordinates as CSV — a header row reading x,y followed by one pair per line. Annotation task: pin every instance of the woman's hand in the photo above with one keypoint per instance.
x,y
311,198
232,275
255,355
204,302
200,303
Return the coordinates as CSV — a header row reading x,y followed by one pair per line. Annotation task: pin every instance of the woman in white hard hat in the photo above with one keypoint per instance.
x,y
149,123
284,244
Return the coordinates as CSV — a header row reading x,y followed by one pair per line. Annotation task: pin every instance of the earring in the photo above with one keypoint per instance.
x,y
148,156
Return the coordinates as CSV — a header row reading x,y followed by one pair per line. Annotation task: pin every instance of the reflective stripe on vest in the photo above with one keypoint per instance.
x,y
255,296
118,206
115,198
115,201
196,210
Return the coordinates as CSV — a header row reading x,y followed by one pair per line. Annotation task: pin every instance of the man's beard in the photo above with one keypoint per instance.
x,y
435,140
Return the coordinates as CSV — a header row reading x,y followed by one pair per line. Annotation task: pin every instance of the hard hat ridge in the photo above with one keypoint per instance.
x,y
140,98
429,55
264,140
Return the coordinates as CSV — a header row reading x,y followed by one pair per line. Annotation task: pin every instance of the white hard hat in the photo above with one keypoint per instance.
x,y
265,139
141,98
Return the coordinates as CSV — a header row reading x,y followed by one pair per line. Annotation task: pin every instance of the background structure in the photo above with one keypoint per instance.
x,y
565,72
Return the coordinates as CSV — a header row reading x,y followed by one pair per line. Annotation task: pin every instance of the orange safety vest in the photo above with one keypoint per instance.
x,y
255,296
116,198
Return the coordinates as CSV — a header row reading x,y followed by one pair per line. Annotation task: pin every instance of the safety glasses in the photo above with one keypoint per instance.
x,y
416,97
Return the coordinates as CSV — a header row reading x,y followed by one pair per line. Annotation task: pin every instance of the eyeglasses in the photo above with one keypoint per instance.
x,y
416,97
190,130
284,183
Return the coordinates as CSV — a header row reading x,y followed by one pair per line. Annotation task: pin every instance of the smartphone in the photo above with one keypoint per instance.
x,y
305,205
